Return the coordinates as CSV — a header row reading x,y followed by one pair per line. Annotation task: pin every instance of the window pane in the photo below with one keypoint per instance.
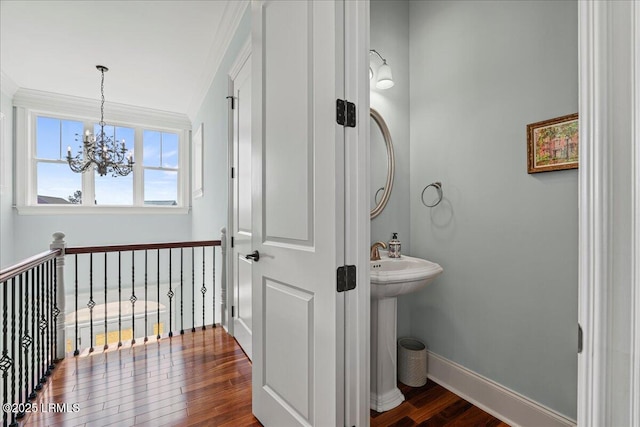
x,y
160,188
57,183
72,132
53,136
169,150
114,190
151,148
48,138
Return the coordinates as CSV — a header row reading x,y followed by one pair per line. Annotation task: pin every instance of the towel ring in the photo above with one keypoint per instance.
x,y
438,187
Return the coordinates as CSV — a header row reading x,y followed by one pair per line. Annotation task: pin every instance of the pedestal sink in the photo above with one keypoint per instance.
x,y
391,277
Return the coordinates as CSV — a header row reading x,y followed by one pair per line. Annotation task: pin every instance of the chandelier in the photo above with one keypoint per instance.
x,y
107,154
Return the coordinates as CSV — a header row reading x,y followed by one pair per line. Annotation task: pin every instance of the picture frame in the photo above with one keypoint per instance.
x,y
553,144
197,165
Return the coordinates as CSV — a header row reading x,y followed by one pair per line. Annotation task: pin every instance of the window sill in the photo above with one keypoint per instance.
x,y
101,210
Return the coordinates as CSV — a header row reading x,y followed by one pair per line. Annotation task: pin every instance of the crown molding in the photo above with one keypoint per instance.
x,y
7,85
90,109
231,18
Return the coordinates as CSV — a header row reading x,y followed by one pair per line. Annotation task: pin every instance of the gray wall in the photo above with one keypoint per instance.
x,y
6,191
210,211
506,304
390,37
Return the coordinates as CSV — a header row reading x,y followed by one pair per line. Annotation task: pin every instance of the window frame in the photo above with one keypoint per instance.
x,y
29,105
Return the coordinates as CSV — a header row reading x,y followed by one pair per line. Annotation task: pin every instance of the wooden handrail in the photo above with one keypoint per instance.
x,y
140,247
27,264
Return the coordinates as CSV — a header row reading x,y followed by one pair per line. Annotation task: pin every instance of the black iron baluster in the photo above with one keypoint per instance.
x,y
119,299
158,296
133,298
91,303
37,332
170,295
46,303
181,292
13,348
77,350
5,361
203,289
22,375
106,301
213,283
32,374
42,362
55,311
146,299
193,290
46,319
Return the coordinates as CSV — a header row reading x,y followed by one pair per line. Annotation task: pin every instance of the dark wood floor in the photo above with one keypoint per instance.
x,y
198,379
201,379
433,405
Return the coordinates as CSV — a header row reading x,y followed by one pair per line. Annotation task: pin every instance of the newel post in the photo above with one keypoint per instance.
x,y
223,276
59,243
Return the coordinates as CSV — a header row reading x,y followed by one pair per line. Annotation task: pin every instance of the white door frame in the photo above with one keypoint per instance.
x,y
357,221
235,68
609,223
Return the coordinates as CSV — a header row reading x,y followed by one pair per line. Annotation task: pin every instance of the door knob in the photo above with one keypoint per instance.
x,y
255,255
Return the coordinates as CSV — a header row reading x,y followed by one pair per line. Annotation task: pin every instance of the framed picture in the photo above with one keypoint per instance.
x,y
553,144
196,179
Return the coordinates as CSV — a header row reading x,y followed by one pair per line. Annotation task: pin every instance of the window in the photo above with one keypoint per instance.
x,y
158,180
56,183
160,168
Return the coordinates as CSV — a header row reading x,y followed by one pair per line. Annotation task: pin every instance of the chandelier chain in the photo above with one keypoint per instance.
x,y
102,103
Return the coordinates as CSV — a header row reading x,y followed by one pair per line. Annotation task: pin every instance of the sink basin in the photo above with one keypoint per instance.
x,y
391,277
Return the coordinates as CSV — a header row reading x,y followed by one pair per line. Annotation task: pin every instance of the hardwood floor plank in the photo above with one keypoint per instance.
x,y
201,379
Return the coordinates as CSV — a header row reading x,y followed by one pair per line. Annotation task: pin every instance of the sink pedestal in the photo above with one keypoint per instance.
x,y
391,277
385,394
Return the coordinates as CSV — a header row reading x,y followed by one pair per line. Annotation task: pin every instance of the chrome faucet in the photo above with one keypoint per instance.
x,y
375,255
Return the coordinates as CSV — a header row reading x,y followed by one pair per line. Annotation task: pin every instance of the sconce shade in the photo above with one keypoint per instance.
x,y
385,79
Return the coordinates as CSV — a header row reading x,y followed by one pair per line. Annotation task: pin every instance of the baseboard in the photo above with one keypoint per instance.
x,y
499,401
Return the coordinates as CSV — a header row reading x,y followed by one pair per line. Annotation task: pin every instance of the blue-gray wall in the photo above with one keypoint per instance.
x,y
210,210
506,304
6,190
390,37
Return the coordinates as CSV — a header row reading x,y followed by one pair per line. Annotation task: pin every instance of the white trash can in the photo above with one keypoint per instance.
x,y
412,362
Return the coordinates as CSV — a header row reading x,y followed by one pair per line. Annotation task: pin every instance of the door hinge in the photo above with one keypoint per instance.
x,y
233,103
345,113
233,311
233,172
346,278
579,338
232,242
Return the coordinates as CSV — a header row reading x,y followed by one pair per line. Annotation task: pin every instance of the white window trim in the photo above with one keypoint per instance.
x,y
29,104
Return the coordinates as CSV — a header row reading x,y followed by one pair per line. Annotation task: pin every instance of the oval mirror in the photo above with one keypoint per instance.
x,y
382,163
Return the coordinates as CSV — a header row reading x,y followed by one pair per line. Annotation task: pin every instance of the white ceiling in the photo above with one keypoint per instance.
x,y
161,54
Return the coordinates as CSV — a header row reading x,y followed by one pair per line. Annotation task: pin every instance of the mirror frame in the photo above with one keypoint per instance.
x,y
391,161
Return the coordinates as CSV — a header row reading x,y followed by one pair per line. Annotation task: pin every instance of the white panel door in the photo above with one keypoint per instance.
x,y
242,319
298,213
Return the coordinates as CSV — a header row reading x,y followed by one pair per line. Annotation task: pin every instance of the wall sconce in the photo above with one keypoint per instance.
x,y
385,78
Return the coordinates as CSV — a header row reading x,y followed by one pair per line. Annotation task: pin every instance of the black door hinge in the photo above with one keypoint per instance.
x,y
232,242
233,103
346,278
233,311
345,113
233,173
